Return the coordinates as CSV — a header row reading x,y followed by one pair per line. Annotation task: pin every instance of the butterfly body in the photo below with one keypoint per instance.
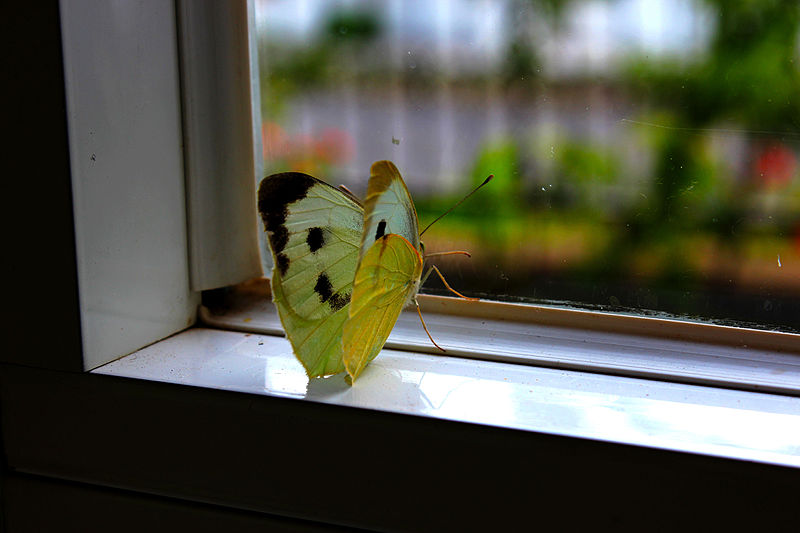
x,y
343,272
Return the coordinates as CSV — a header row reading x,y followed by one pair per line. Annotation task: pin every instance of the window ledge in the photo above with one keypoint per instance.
x,y
725,423
567,339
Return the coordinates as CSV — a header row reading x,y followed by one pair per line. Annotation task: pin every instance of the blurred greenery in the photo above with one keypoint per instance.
x,y
352,25
501,159
290,69
750,78
690,205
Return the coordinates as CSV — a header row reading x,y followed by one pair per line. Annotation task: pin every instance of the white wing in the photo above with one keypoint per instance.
x,y
314,232
388,207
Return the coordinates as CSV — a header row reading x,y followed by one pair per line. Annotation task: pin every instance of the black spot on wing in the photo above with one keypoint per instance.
x,y
323,287
381,231
275,194
315,239
282,261
338,301
325,291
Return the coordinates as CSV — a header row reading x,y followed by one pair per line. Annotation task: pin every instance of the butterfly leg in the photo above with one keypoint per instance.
x,y
425,276
419,312
449,288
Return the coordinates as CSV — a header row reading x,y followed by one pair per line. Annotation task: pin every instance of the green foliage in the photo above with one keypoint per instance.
x,y
751,74
521,63
750,77
747,79
582,163
492,216
314,64
502,196
352,25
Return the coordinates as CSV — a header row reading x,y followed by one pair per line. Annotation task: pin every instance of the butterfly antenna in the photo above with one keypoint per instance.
x,y
452,252
487,180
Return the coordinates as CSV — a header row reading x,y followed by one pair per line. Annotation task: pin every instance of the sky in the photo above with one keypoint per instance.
x,y
477,31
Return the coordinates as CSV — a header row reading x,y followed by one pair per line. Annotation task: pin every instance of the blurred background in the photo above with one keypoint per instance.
x,y
645,151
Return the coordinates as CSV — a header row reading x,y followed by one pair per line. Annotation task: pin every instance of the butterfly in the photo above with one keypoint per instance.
x,y
342,271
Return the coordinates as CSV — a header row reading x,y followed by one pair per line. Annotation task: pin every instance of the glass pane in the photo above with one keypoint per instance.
x,y
645,151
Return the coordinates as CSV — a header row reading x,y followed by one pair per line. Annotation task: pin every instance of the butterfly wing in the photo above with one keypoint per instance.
x,y
387,277
388,207
389,267
314,232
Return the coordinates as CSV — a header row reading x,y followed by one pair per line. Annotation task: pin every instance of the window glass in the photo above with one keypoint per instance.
x,y
645,151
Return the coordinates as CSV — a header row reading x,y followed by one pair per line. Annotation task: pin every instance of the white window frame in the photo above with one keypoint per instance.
x,y
164,153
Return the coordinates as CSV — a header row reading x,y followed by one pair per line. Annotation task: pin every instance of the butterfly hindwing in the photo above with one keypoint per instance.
x,y
387,276
317,343
389,267
314,232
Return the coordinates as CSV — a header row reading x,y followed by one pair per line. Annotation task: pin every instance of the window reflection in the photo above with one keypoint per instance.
x,y
646,152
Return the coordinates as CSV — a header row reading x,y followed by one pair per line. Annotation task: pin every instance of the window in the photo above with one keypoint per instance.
x,y
646,153
141,434
219,164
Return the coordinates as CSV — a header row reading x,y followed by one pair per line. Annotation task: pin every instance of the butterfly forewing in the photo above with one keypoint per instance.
x,y
388,207
314,232
387,277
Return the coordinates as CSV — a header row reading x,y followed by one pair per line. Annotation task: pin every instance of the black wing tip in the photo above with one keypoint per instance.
x,y
283,188
275,193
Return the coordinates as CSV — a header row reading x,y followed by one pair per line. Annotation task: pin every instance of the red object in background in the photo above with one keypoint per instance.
x,y
304,153
274,141
775,166
334,146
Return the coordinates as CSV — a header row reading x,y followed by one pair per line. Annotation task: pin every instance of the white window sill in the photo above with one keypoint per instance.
x,y
752,360
735,424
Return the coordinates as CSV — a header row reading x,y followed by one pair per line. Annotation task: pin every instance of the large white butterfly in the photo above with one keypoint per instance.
x,y
343,272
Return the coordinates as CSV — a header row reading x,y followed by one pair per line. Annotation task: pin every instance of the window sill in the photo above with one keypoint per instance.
x,y
567,339
726,423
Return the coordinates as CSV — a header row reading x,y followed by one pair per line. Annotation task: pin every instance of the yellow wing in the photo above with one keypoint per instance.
x,y
387,277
